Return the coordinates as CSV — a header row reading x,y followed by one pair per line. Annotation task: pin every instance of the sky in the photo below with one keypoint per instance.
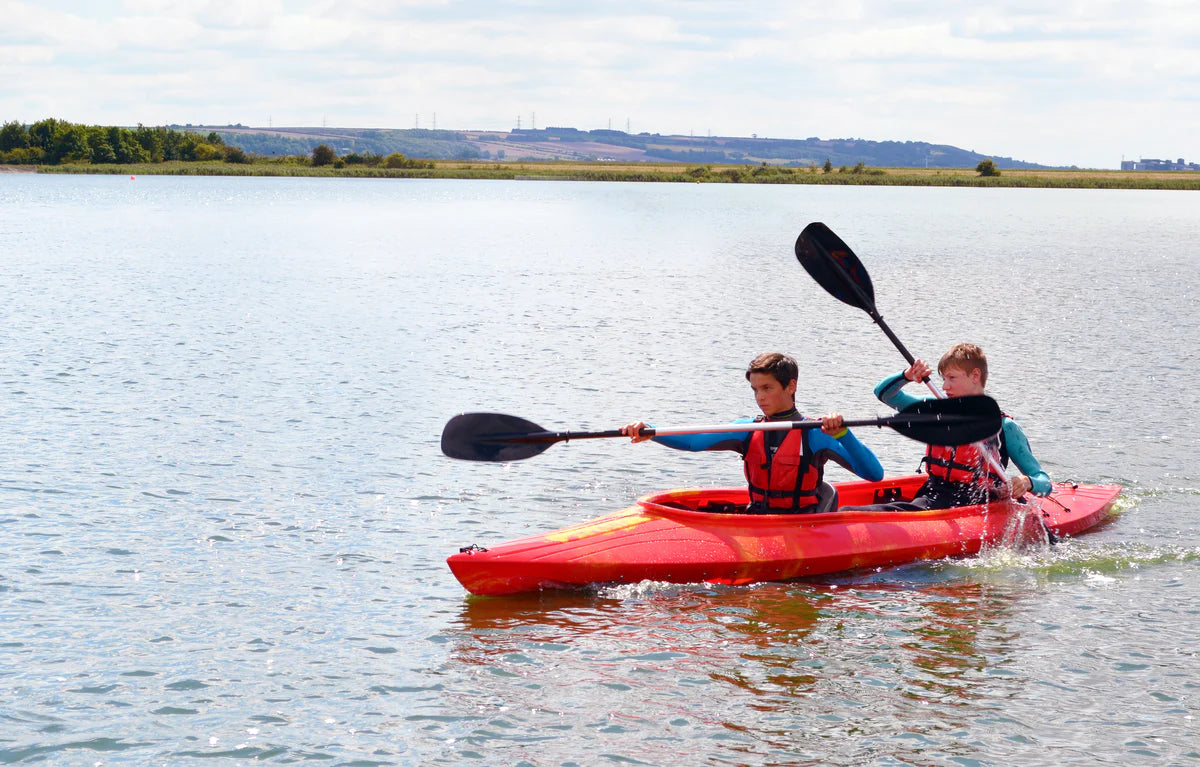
x,y
1073,82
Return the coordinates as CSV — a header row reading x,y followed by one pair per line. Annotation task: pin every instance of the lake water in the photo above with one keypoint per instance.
x,y
225,514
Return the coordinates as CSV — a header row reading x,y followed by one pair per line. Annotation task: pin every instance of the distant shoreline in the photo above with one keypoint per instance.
x,y
665,172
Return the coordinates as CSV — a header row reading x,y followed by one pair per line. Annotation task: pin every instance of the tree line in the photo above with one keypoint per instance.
x,y
57,142
323,155
54,142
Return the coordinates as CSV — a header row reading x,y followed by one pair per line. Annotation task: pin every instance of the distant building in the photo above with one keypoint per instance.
x,y
1147,163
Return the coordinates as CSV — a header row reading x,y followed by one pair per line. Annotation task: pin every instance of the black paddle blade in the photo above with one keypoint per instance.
x,y
951,421
834,266
493,437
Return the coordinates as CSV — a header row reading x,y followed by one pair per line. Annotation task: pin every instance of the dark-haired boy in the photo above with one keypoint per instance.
x,y
785,469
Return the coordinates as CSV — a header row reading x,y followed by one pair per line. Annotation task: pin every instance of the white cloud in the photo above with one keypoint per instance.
x,y
1048,83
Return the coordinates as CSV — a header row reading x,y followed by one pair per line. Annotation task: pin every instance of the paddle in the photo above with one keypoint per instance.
x,y
830,262
500,437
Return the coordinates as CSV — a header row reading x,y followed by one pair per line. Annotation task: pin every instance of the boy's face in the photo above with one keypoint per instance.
x,y
957,382
772,397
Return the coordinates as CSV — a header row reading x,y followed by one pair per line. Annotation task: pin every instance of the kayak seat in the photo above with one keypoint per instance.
x,y
888,495
721,507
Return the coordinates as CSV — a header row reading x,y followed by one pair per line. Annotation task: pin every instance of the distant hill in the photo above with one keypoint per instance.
x,y
602,146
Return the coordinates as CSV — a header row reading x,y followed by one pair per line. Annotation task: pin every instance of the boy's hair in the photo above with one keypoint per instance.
x,y
965,357
783,367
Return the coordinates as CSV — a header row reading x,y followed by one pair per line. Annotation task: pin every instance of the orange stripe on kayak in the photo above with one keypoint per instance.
x,y
601,526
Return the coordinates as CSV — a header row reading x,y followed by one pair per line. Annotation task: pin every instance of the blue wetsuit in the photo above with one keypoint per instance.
x,y
846,451
889,391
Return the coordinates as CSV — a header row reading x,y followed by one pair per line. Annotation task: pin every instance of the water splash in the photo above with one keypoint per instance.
x,y
1025,529
646,589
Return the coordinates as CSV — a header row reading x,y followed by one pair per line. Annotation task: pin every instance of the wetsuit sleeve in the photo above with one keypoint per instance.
x,y
847,452
889,392
1020,454
730,440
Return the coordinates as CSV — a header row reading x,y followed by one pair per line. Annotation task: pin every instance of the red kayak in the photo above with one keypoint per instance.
x,y
689,536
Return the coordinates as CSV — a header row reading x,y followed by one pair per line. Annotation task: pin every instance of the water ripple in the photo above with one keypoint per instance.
x,y
226,516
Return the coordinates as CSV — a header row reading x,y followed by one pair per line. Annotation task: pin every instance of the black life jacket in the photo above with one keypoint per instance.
x,y
782,480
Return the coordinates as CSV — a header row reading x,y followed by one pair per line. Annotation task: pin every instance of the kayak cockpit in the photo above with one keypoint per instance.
x,y
735,501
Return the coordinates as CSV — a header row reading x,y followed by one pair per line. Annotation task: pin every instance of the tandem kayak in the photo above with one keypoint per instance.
x,y
690,536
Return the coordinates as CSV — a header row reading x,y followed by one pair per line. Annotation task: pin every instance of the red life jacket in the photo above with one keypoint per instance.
x,y
967,464
784,480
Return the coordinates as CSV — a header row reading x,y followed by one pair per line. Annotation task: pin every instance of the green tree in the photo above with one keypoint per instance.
x,y
125,146
396,160
151,140
29,155
13,136
70,144
828,166
100,150
323,155
987,168
42,134
188,147
205,152
173,145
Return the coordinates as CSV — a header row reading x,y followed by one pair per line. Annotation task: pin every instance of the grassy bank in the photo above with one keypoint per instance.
x,y
672,172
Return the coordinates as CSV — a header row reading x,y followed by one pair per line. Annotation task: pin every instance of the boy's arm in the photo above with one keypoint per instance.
x,y
889,392
846,451
697,442
735,440
1020,454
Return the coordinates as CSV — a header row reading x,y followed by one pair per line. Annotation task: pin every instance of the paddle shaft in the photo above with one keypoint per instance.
x,y
869,305
830,261
883,325
566,436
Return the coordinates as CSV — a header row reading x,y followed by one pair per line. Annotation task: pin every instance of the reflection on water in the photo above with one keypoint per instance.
x,y
787,668
946,658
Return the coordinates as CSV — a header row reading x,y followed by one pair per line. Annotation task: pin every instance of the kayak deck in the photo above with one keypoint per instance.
x,y
688,536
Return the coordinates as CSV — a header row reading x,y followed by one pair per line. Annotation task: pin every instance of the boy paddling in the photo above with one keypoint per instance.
x,y
964,475
785,469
